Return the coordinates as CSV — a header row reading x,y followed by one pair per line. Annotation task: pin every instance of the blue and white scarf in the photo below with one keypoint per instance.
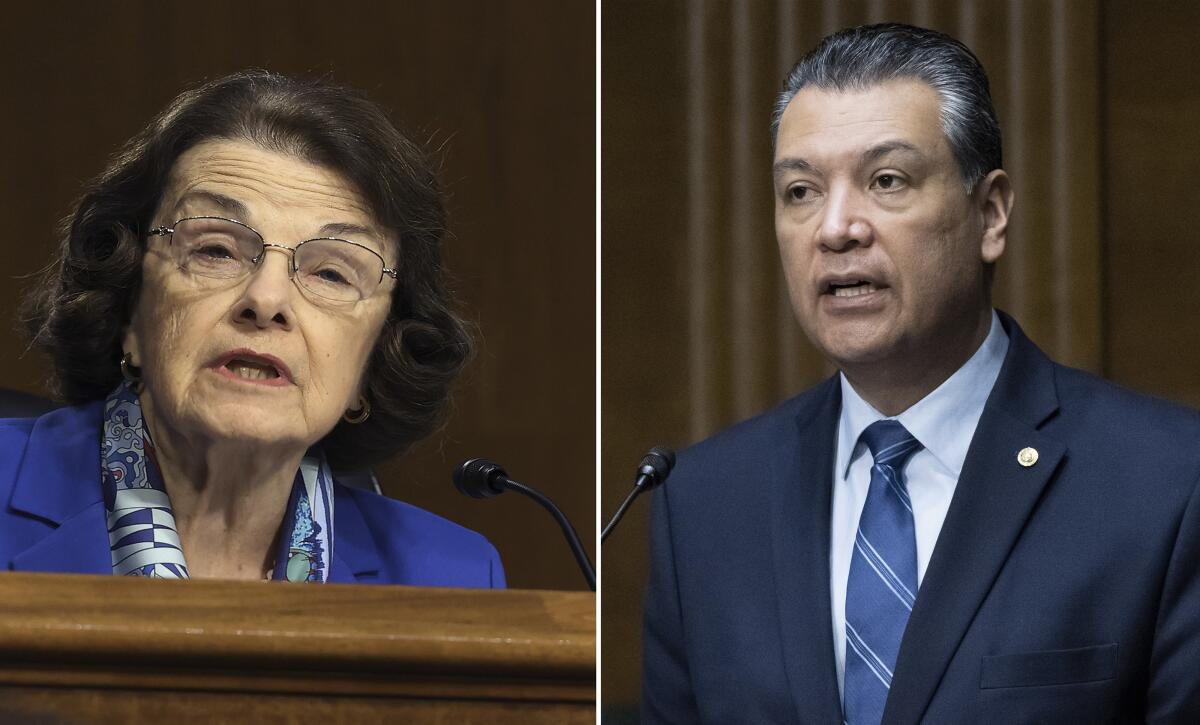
x,y
141,525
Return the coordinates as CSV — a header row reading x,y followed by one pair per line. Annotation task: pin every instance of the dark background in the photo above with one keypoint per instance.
x,y
1099,102
505,94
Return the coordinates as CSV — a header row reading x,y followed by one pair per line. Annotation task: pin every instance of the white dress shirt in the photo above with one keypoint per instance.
x,y
944,422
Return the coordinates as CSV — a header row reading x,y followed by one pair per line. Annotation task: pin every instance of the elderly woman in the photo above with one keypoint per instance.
x,y
247,300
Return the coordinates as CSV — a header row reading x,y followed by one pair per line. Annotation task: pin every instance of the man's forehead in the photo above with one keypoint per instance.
x,y
902,114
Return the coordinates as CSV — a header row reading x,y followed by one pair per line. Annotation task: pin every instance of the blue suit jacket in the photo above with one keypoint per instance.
x,y
53,519
1068,591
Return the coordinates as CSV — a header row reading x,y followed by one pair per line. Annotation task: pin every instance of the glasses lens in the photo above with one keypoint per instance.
x,y
212,247
338,270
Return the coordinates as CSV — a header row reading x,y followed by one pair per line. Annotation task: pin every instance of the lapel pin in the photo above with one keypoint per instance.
x,y
1027,457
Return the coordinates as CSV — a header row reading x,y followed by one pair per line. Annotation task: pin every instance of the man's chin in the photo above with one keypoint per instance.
x,y
852,347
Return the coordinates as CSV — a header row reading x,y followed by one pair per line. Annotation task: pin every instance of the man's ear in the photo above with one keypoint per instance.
x,y
994,199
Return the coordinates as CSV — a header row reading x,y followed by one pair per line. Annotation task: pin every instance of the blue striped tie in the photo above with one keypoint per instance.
x,y
883,576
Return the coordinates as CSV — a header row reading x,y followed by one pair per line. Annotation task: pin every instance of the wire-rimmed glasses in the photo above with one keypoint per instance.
x,y
334,270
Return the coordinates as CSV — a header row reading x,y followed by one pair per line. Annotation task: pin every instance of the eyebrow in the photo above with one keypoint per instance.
x,y
239,212
338,229
887,147
232,206
874,153
792,164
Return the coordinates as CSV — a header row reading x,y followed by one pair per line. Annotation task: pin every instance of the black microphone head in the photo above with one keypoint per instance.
x,y
479,478
656,466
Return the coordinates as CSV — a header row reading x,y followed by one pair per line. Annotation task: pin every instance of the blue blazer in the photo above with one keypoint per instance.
x,y
1067,591
54,521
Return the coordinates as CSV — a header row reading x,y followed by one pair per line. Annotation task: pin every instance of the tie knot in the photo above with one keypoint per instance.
x,y
890,442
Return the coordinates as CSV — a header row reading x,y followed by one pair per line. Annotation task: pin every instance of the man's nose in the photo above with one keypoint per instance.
x,y
845,221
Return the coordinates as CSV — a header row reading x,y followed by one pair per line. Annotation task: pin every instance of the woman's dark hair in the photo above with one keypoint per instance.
x,y
78,314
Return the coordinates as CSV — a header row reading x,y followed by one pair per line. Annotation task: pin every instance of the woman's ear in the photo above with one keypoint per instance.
x,y
131,342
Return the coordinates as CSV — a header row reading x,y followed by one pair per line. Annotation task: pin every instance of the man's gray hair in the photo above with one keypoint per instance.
x,y
858,58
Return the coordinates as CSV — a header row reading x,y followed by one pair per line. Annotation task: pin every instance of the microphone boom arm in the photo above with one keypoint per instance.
x,y
585,564
612,524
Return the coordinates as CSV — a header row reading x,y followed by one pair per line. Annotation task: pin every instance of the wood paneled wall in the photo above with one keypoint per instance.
x,y
1098,103
1151,109
504,92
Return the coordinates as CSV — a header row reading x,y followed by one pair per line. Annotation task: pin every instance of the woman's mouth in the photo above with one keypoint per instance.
x,y
252,367
251,371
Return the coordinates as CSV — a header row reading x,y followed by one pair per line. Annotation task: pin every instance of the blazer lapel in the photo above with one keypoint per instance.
x,y
802,475
355,555
58,484
994,498
78,546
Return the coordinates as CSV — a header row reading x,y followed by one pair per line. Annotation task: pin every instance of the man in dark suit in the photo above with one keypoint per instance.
x,y
953,528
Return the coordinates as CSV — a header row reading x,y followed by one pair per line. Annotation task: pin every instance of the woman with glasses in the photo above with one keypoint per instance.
x,y
247,300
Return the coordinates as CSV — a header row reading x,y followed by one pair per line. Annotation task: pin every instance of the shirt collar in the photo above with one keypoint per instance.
x,y
943,421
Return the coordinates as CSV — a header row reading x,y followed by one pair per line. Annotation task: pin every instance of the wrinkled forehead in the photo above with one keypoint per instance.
x,y
258,186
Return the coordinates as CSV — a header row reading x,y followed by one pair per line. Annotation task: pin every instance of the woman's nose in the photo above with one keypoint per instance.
x,y
267,298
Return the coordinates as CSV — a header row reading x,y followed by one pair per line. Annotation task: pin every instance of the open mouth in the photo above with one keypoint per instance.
x,y
252,369
253,366
851,288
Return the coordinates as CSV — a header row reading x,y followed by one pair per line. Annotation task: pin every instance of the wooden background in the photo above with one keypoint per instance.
x,y
506,91
1098,102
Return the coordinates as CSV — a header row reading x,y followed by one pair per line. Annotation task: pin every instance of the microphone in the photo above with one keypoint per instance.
x,y
652,471
481,478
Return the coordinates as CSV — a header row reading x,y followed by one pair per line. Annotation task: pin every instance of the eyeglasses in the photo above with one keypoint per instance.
x,y
334,270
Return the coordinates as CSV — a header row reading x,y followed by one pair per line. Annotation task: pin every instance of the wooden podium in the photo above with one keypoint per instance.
x,y
120,649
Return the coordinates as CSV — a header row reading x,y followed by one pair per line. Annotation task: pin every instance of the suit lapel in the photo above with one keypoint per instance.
x,y
801,477
993,500
58,484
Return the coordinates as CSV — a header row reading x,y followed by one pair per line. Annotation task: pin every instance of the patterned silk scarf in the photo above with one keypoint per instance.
x,y
141,525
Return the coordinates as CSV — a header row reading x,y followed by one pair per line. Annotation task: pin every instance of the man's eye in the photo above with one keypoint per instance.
x,y
887,182
799,193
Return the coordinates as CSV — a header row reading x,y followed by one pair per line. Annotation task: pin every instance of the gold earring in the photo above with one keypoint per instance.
x,y
131,373
354,417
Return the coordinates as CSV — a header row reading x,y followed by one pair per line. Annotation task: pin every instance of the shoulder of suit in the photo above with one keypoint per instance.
x,y
747,444
1082,394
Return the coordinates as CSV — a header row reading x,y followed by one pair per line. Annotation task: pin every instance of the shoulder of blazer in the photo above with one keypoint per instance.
x,y
404,544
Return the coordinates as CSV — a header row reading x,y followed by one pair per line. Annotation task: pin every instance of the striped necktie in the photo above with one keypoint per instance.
x,y
883,576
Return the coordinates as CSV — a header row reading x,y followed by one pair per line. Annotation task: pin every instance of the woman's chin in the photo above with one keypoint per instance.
x,y
266,434
247,422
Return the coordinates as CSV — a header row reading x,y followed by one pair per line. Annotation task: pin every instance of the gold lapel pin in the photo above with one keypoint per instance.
x,y
1027,457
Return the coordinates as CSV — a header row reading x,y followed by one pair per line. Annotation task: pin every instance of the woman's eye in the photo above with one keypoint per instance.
x,y
331,275
212,250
